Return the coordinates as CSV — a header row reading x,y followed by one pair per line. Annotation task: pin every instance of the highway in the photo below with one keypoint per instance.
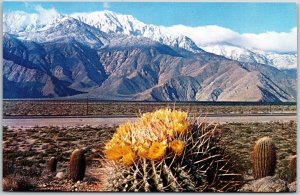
x,y
31,121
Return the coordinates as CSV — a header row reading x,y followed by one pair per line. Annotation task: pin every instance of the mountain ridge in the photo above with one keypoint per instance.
x,y
73,59
110,22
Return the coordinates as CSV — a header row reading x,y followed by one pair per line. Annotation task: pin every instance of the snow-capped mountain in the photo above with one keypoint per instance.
x,y
74,29
29,25
280,61
68,56
111,22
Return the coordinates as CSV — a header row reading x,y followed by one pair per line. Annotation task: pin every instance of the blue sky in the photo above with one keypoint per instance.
x,y
239,17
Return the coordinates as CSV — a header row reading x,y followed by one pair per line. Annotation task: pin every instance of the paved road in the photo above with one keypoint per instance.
x,y
69,121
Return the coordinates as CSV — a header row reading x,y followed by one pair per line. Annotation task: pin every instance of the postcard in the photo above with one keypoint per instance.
x,y
149,96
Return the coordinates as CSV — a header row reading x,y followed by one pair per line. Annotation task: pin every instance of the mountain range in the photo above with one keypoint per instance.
x,y
113,56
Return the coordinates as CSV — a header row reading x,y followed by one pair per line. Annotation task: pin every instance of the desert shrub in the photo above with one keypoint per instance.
x,y
26,163
5,128
33,171
9,184
8,168
17,182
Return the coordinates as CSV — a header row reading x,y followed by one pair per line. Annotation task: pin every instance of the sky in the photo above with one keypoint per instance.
x,y
240,17
270,26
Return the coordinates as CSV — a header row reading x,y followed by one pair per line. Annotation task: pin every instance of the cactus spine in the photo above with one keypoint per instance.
x,y
263,158
52,164
293,168
162,152
77,165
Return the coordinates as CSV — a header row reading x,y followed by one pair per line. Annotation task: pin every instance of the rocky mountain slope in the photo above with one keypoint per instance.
x,y
111,22
73,58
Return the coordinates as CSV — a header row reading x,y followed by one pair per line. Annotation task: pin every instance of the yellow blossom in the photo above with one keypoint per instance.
x,y
181,128
177,146
148,137
114,153
157,151
117,152
128,158
142,151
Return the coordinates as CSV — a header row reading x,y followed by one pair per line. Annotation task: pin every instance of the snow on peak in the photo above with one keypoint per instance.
x,y
111,22
280,61
106,21
30,26
67,28
19,21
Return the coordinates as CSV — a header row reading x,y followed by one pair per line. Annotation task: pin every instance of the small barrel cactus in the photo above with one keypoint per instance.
x,y
293,168
77,165
263,158
52,164
162,152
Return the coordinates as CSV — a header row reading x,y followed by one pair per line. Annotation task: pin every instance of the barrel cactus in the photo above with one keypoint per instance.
x,y
52,164
263,158
293,168
162,151
77,165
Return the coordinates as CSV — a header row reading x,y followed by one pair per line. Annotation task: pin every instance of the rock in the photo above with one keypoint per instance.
x,y
76,184
293,186
266,184
60,175
85,149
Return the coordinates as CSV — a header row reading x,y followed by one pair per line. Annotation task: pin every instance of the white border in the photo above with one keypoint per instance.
x,y
256,1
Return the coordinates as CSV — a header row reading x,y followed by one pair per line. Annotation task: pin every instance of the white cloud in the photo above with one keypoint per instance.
x,y
268,41
46,15
202,35
276,41
105,5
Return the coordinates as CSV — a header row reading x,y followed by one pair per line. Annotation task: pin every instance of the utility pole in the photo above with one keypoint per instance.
x,y
87,105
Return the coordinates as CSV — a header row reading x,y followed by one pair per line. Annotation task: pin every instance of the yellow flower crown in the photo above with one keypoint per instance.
x,y
149,137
